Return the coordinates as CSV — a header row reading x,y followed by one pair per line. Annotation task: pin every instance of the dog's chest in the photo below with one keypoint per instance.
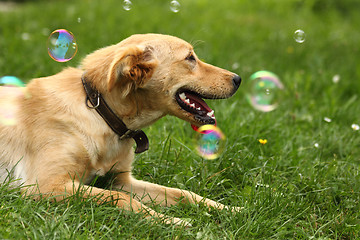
x,y
109,154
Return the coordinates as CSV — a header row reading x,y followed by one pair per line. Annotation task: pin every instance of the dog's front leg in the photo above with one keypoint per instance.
x,y
166,196
119,199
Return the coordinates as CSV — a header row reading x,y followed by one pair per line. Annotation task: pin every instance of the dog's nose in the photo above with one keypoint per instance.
x,y
236,81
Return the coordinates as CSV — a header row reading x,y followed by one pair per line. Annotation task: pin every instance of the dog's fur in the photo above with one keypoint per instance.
x,y
58,144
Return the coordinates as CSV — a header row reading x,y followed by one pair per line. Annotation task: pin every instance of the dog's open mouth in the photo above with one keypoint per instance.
x,y
193,103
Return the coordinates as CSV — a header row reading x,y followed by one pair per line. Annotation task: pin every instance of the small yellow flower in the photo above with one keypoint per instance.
x,y
263,141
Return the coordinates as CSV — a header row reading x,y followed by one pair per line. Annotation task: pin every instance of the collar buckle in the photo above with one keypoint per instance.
x,y
87,100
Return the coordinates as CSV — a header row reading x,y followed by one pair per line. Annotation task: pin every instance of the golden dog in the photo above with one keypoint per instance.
x,y
61,141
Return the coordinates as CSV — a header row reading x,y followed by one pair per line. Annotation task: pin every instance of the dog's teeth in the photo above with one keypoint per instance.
x,y
182,96
187,101
192,105
198,108
211,114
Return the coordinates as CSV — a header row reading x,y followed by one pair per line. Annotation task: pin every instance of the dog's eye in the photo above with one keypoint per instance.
x,y
190,57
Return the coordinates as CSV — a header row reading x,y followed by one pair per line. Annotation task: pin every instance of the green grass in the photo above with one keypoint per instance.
x,y
289,188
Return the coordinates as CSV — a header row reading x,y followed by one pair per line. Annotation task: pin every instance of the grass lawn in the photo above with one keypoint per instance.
x,y
302,184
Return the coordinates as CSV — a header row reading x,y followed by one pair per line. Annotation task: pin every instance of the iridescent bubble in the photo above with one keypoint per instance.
x,y
11,88
62,45
265,92
11,81
127,5
210,142
299,36
235,66
174,6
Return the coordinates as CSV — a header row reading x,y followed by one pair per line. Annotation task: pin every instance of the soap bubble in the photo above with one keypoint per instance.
x,y
10,89
61,45
127,5
266,90
174,6
299,36
210,142
235,66
11,81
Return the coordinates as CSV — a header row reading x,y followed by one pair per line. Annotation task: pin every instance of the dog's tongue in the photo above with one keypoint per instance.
x,y
199,108
204,106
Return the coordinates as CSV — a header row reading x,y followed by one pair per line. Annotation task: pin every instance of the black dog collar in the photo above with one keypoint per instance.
x,y
112,120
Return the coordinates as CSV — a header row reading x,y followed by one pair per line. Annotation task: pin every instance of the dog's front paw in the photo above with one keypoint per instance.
x,y
234,209
178,222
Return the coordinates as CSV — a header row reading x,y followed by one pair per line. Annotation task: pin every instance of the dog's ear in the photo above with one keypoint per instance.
x,y
131,68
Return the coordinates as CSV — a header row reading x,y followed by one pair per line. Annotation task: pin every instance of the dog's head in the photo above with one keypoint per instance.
x,y
145,77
